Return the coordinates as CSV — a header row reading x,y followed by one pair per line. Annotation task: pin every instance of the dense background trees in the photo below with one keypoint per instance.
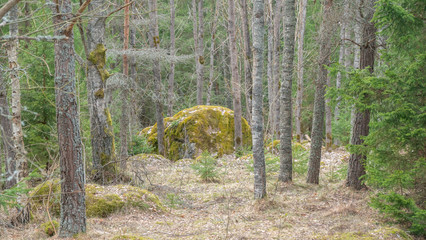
x,y
134,59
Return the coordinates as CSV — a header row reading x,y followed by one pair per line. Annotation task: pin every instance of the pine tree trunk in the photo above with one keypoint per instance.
x,y
247,59
212,53
102,135
276,68
124,120
236,83
300,67
6,134
319,104
18,137
73,206
172,63
257,121
286,161
200,53
328,119
362,117
154,42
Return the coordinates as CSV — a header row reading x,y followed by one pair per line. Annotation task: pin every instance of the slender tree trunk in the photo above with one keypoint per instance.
x,y
102,136
362,117
236,83
172,63
247,59
318,121
73,206
6,131
286,161
200,52
300,67
269,69
278,13
328,118
257,121
212,53
124,120
18,137
154,42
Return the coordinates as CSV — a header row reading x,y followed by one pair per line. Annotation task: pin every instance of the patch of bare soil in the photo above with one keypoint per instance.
x,y
226,209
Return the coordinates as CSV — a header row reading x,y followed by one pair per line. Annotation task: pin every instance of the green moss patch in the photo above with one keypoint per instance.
x,y
101,201
50,227
195,130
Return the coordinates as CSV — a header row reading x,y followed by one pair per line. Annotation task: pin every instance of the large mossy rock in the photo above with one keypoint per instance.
x,y
101,201
197,129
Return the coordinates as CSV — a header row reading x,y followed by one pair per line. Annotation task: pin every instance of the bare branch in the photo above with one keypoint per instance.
x,y
118,9
7,7
77,16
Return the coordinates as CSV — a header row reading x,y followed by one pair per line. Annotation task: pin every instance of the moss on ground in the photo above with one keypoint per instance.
x,y
388,233
50,227
101,201
195,130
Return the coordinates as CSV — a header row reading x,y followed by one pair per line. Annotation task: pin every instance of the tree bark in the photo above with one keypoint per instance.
x,y
6,7
328,119
319,104
257,121
286,161
6,131
362,116
172,63
73,206
102,135
247,59
300,67
18,137
212,53
200,52
276,68
154,41
269,69
236,83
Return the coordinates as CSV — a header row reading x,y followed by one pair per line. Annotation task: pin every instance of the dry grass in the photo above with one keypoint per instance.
x,y
226,210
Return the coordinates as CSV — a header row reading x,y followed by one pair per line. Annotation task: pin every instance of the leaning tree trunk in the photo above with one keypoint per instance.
x,y
102,135
236,83
247,59
276,69
172,63
200,53
362,116
73,206
257,121
212,53
18,137
300,67
154,41
286,162
319,104
6,134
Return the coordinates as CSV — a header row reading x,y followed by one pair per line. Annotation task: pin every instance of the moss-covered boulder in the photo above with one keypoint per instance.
x,y
195,130
101,201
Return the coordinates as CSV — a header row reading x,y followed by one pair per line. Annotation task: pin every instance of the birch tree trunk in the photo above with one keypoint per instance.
x,y
318,121
124,120
257,121
286,161
7,133
236,83
73,206
102,135
212,52
362,117
172,63
18,137
300,67
247,59
154,41
276,68
200,52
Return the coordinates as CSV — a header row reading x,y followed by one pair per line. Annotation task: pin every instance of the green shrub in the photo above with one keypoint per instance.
x,y
140,145
403,210
205,168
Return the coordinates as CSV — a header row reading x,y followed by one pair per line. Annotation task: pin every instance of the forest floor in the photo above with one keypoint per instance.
x,y
226,210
